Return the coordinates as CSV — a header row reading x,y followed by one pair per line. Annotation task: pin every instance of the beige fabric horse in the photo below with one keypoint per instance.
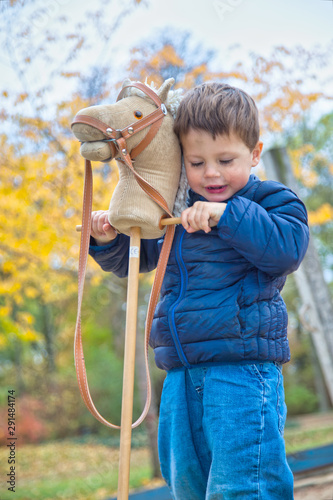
x,y
159,163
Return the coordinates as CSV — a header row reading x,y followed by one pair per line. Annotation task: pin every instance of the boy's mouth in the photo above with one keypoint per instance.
x,y
216,189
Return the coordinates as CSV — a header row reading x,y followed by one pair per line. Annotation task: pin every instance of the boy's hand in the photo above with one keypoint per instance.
x,y
101,229
202,215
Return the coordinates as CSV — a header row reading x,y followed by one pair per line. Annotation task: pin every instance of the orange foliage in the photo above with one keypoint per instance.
x,y
41,176
41,196
28,421
277,83
166,56
323,215
302,168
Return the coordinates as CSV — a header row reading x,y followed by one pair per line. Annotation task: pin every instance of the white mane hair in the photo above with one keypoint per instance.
x,y
172,102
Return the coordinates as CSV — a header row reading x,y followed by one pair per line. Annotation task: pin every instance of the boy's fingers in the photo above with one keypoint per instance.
x,y
101,223
200,218
197,217
184,219
107,228
99,219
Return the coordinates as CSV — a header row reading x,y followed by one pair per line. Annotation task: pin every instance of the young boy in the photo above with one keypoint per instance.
x,y
220,328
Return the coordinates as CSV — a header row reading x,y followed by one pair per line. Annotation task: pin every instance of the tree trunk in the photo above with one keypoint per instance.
x,y
49,333
20,381
313,290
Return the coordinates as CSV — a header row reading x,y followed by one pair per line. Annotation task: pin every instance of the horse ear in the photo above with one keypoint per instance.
x,y
164,89
126,82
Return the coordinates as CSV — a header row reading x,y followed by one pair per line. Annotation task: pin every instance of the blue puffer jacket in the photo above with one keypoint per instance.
x,y
220,299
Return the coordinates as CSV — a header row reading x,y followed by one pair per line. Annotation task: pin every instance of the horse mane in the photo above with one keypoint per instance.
x,y
172,102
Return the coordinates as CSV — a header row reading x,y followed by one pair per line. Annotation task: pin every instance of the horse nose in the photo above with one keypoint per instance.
x,y
97,151
86,133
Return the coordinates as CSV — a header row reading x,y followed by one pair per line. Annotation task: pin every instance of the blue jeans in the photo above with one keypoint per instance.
x,y
221,433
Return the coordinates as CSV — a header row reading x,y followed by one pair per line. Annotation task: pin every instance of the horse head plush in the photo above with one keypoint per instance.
x,y
143,120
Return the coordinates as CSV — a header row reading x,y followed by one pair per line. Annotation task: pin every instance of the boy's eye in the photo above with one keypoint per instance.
x,y
226,162
198,164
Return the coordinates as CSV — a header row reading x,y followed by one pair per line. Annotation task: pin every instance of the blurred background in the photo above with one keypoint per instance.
x,y
59,56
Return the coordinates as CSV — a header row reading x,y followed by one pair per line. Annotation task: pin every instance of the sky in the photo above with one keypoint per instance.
x,y
251,25
254,24
245,25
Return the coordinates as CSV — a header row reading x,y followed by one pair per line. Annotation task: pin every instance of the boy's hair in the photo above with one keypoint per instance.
x,y
218,108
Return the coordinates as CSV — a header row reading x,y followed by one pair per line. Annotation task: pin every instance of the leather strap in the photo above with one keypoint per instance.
x,y
145,185
84,249
120,144
145,89
146,140
81,372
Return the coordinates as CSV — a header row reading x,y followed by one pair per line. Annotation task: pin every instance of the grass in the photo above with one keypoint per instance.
x,y
69,470
297,440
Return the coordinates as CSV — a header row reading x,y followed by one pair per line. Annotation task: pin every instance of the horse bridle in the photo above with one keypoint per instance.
x,y
113,136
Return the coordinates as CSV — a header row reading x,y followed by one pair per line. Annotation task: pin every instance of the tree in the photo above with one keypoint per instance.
x,y
41,182
285,85
41,178
172,54
311,153
42,175
312,288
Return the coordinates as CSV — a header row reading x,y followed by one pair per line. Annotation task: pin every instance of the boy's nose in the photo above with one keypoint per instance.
x,y
211,171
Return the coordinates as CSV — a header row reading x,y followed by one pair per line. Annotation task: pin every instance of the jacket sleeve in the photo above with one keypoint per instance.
x,y
114,257
270,231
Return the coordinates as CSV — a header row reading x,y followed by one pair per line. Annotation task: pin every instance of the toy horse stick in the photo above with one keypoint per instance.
x,y
164,222
100,139
129,364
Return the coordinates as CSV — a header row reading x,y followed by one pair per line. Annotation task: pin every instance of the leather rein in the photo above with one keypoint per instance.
x,y
118,146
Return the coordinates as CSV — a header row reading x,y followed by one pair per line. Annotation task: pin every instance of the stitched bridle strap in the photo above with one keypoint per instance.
x,y
80,366
145,185
145,89
94,122
112,133
84,250
154,119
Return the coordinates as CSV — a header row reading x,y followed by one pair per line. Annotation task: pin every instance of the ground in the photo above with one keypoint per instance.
x,y
315,488
71,469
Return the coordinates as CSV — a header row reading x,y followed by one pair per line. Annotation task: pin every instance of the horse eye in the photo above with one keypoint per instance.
x,y
138,115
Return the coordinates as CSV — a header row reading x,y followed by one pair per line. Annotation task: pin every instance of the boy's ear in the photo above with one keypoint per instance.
x,y
256,153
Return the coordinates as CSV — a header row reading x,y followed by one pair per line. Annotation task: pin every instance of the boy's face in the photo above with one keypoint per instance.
x,y
217,169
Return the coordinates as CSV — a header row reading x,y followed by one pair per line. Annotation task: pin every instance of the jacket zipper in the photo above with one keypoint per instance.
x,y
171,315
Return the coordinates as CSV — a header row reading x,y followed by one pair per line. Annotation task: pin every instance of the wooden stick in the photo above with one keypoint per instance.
x,y
164,222
129,364
170,220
